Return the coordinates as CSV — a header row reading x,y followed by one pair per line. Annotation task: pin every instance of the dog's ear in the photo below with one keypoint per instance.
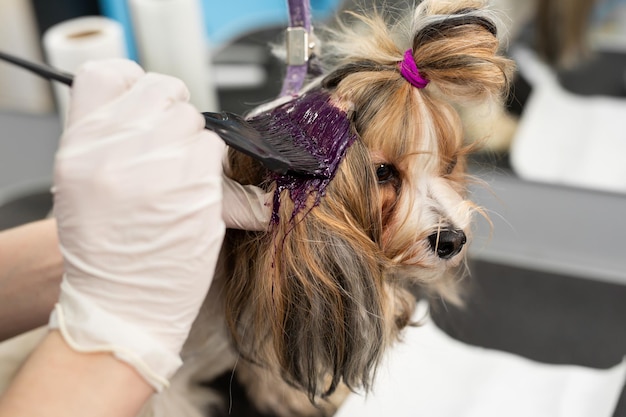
x,y
309,296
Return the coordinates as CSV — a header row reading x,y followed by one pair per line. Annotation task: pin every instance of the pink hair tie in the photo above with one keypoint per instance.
x,y
409,71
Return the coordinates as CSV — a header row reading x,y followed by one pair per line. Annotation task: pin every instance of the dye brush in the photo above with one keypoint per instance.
x,y
269,148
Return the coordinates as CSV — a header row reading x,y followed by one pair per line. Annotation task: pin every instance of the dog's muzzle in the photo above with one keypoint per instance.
x,y
447,243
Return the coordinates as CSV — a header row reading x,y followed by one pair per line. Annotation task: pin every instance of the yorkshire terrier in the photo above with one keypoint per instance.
x,y
302,313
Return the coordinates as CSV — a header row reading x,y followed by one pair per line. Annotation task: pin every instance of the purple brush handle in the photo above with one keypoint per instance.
x,y
299,16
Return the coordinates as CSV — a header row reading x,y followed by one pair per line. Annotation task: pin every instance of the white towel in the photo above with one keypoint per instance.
x,y
565,138
433,375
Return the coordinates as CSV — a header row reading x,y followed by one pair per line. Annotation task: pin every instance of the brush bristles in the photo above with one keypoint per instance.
x,y
301,160
308,124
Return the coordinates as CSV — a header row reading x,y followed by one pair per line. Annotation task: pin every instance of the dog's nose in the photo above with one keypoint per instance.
x,y
447,243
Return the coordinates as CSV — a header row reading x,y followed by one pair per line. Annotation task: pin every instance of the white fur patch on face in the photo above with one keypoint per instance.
x,y
427,205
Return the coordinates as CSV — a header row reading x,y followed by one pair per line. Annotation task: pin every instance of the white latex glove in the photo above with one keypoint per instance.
x,y
137,198
245,207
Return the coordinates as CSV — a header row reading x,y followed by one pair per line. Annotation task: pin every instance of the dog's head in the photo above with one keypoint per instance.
x,y
328,287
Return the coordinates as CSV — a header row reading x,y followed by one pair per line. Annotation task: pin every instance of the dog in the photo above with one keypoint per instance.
x,y
302,313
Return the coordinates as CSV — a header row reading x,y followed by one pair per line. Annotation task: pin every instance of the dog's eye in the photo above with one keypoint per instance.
x,y
385,173
451,165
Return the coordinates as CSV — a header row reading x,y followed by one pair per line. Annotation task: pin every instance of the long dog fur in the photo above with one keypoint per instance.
x,y
311,305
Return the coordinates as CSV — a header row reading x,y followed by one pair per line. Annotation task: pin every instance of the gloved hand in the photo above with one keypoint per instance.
x,y
246,207
137,198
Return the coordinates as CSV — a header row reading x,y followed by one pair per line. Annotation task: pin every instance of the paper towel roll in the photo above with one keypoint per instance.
x,y
69,44
19,89
171,39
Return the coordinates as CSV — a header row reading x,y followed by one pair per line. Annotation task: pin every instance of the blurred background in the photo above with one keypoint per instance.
x,y
548,272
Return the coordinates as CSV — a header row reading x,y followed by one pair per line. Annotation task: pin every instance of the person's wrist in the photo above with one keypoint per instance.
x,y
87,327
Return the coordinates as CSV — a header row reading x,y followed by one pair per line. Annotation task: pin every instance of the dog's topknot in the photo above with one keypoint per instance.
x,y
454,44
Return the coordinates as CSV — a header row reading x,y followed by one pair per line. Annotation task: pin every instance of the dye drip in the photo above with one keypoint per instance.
x,y
312,122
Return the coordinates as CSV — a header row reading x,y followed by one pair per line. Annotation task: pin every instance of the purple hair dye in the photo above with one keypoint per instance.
x,y
312,122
